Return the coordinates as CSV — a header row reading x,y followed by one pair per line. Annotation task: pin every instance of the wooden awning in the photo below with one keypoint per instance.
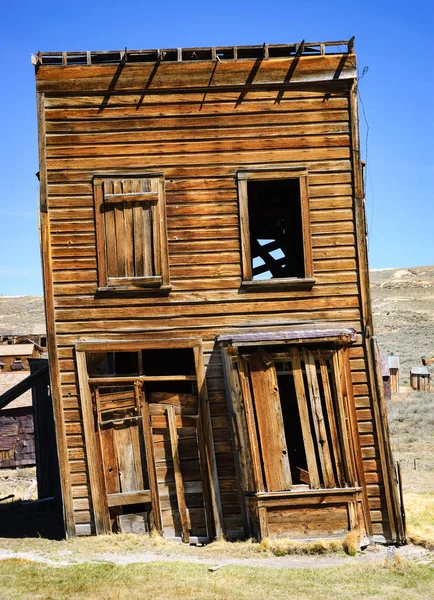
x,y
348,336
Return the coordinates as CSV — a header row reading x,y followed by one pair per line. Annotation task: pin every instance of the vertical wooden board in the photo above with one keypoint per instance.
x,y
213,506
318,419
110,233
336,446
163,246
93,450
125,455
303,411
154,234
100,232
245,229
178,474
128,208
305,220
270,422
147,241
238,417
110,463
342,419
243,373
120,231
150,461
138,461
138,239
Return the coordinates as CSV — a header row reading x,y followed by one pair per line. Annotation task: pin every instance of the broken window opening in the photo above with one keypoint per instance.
x,y
276,244
276,232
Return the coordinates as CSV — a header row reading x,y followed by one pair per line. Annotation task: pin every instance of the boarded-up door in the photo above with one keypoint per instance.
x,y
128,463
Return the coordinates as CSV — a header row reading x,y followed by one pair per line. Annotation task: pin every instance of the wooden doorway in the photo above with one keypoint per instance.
x,y
148,437
124,432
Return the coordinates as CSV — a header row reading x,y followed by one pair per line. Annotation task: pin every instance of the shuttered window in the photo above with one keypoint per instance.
x,y
131,232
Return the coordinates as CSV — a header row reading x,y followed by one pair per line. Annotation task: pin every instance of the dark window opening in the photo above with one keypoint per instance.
x,y
276,232
168,362
113,363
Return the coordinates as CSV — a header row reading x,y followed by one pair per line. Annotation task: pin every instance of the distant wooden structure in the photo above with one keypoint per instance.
x,y
17,440
385,374
44,515
212,359
15,357
393,363
420,379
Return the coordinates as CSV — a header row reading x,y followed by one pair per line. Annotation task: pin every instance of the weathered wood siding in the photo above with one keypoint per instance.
x,y
199,139
17,441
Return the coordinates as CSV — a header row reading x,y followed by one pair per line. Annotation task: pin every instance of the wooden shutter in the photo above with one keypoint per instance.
x,y
131,232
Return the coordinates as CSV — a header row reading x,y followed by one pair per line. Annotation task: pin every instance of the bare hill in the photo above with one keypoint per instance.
x,y
403,310
22,315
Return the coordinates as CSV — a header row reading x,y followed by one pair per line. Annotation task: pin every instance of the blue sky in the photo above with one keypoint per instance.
x,y
394,40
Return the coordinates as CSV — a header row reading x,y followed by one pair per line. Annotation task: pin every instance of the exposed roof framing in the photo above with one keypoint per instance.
x,y
215,54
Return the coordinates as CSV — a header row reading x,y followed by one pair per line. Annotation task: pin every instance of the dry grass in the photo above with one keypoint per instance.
x,y
389,580
19,482
420,518
411,423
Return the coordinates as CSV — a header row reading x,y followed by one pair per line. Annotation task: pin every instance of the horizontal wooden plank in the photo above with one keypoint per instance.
x,y
199,74
122,499
179,97
213,146
199,159
238,307
326,122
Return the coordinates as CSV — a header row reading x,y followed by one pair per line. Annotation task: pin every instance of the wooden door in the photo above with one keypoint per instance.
x,y
123,429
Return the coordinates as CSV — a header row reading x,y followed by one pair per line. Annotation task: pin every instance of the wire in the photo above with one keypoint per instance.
x,y
367,169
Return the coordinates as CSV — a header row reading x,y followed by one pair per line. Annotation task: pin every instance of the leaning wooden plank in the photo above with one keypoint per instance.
x,y
178,474
93,451
304,419
150,461
243,372
380,415
331,418
206,448
344,363
270,422
342,420
318,419
237,415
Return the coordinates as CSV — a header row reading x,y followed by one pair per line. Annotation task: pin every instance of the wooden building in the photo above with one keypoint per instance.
x,y
420,379
207,297
17,440
15,357
393,364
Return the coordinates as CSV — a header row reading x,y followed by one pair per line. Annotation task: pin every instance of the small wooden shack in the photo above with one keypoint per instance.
x,y
393,363
210,335
420,379
15,357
